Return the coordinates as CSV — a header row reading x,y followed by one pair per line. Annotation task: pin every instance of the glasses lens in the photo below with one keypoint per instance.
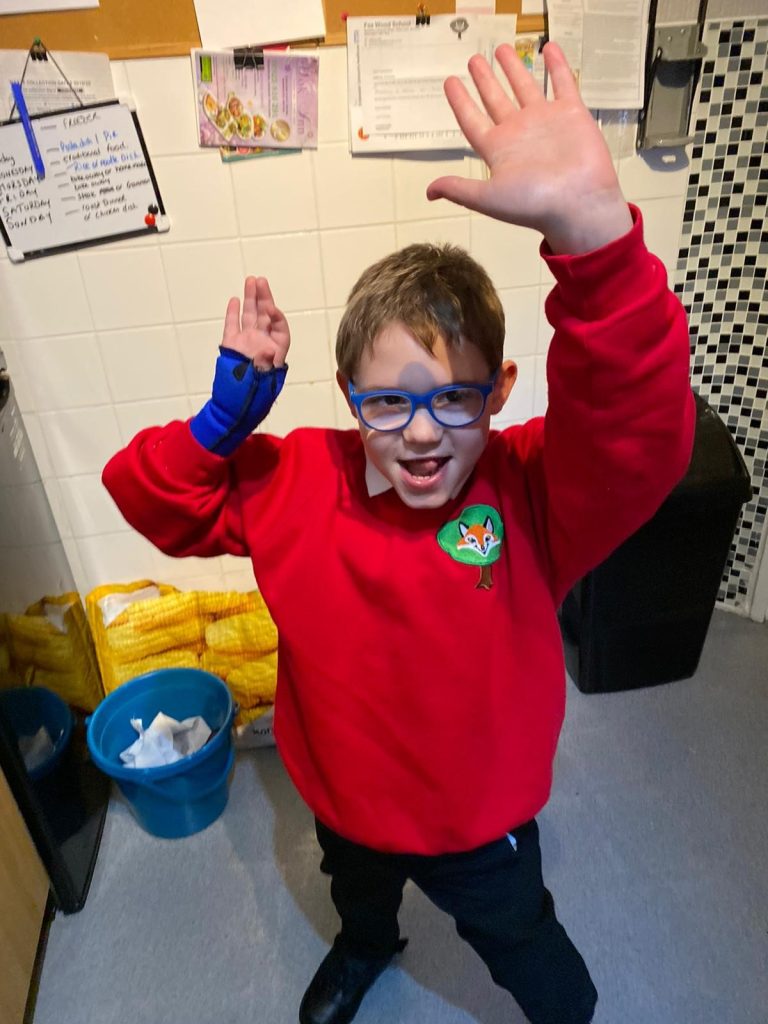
x,y
385,411
457,407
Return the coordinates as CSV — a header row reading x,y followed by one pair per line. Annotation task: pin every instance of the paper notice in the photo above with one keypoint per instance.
x,y
257,22
35,6
45,91
396,72
604,43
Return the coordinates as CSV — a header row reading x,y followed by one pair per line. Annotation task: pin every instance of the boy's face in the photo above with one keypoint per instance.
x,y
426,463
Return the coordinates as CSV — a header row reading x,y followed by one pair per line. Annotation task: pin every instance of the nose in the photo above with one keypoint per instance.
x,y
422,429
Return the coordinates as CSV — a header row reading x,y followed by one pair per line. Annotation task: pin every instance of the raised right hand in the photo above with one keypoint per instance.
x,y
262,332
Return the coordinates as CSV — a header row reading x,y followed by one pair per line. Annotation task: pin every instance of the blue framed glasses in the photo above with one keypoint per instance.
x,y
453,405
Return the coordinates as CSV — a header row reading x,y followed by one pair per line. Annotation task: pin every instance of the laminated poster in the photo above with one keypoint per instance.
x,y
269,107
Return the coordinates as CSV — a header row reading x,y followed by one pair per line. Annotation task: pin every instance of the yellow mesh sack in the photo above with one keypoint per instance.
x,y
60,656
108,658
254,682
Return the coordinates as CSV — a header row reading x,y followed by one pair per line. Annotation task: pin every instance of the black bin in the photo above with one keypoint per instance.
x,y
641,617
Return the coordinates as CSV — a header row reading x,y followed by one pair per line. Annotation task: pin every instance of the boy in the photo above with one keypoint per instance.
x,y
414,566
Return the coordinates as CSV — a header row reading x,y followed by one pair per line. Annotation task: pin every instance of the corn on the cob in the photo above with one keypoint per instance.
x,y
219,664
51,652
123,671
250,634
128,643
246,715
156,613
255,682
222,604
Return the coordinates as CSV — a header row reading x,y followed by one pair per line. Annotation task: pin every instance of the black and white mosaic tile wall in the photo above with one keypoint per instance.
x,y
721,270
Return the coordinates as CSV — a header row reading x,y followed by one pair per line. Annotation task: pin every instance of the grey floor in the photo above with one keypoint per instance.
x,y
655,846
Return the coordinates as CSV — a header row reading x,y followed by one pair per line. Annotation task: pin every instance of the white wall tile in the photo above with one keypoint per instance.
x,y
42,297
413,174
142,363
521,313
199,347
346,254
135,416
275,194
302,405
116,558
662,222
126,288
519,407
122,86
81,440
292,264
352,190
53,493
197,194
451,230
241,580
64,372
509,253
19,377
163,90
332,103
202,277
170,570
89,508
309,357
82,584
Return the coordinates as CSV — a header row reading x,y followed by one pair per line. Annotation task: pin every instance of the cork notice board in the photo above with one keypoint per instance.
x,y
148,28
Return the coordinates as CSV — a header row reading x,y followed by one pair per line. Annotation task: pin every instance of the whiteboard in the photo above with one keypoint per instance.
x,y
98,186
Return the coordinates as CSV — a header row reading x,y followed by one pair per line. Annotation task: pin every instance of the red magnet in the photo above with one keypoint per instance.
x,y
149,220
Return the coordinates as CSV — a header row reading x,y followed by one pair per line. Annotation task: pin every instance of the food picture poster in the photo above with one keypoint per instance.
x,y
273,106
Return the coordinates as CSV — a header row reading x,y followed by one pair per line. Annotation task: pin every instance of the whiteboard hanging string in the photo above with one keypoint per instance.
x,y
37,51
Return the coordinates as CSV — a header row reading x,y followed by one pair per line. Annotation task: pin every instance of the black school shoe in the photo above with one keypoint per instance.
x,y
337,989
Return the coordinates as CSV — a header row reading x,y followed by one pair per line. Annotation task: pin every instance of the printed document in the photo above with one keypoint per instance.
x,y
396,71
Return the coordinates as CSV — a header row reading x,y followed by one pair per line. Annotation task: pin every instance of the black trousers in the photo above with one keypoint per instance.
x,y
496,895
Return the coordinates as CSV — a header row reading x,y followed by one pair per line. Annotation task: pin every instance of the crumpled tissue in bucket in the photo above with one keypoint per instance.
x,y
36,749
165,741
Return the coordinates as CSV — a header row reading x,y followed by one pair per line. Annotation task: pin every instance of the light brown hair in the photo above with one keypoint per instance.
x,y
431,289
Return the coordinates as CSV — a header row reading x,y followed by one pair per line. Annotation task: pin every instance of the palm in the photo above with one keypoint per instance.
x,y
262,332
548,162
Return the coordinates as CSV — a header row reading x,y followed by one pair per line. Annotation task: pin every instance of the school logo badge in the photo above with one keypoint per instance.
x,y
474,538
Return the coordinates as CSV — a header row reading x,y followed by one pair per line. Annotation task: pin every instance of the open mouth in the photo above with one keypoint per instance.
x,y
422,472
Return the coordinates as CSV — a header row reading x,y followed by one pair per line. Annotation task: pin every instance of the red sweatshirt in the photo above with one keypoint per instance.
x,y
417,712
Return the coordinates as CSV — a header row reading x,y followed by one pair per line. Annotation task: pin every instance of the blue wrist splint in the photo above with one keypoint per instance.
x,y
241,398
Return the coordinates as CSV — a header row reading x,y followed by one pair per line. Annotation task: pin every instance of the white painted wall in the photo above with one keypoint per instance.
x,y
104,341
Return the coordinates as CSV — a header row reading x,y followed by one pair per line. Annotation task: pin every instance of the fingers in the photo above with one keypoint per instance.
x,y
524,85
265,304
560,75
472,121
495,100
231,321
250,300
463,191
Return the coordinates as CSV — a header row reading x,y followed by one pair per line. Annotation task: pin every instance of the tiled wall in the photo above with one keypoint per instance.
x,y
721,275
104,341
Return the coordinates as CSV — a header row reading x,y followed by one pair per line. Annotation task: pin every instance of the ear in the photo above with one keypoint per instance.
x,y
343,382
505,381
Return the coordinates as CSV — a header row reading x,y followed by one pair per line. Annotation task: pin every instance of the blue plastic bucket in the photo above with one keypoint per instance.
x,y
172,800
27,708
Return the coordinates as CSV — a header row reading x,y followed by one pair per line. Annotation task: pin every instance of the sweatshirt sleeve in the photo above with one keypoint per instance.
x,y
618,432
181,497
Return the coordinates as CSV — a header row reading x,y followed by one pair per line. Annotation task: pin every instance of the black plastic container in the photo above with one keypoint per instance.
x,y
641,617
